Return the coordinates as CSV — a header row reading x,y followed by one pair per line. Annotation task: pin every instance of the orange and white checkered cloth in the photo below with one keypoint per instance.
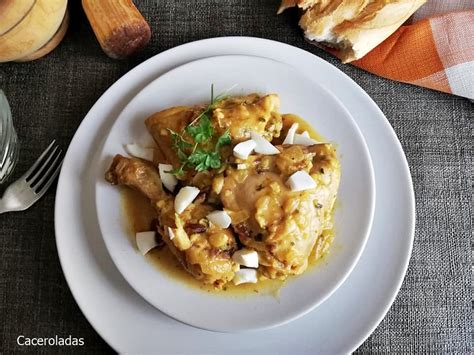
x,y
435,51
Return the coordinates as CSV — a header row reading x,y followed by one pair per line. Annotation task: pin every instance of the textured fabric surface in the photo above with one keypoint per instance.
x,y
50,97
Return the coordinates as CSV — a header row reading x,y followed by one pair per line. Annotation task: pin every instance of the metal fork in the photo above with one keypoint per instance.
x,y
33,184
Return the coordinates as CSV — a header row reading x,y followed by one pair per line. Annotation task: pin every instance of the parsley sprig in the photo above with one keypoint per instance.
x,y
203,153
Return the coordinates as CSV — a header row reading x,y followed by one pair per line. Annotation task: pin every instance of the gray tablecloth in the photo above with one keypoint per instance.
x,y
50,97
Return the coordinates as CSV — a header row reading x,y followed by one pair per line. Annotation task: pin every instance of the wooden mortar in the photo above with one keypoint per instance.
x,y
28,27
12,12
52,43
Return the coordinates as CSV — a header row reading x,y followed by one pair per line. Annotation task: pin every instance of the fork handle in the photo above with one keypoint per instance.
x,y
13,206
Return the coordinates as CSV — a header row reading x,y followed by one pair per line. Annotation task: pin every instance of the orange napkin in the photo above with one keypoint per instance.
x,y
435,51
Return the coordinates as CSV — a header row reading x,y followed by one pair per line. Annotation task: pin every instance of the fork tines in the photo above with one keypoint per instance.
x,y
45,169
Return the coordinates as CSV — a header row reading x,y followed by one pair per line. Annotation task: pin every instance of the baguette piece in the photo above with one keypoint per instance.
x,y
352,27
303,4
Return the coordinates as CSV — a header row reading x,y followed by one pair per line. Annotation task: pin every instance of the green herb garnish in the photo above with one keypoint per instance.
x,y
203,153
223,140
202,130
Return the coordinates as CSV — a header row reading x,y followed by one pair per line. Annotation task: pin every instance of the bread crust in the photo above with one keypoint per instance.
x,y
352,27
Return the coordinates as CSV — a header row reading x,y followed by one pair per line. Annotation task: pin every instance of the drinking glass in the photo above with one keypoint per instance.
x,y
8,140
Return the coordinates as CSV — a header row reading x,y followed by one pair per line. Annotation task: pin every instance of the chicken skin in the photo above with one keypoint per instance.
x,y
281,225
238,115
204,250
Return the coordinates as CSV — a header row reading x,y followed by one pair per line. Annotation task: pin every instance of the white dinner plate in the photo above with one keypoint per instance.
x,y
190,84
131,325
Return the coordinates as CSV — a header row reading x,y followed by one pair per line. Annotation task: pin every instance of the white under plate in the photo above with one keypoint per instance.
x,y
131,325
190,84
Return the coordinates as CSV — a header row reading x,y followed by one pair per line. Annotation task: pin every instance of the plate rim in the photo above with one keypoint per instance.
x,y
246,45
116,256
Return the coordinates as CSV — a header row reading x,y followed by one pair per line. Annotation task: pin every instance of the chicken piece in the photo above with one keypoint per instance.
x,y
175,119
138,174
239,115
203,250
281,225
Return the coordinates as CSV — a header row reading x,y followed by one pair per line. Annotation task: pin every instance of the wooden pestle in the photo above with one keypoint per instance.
x,y
118,25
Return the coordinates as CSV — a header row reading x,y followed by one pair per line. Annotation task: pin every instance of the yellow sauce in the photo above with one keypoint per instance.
x,y
137,211
164,260
289,119
139,215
